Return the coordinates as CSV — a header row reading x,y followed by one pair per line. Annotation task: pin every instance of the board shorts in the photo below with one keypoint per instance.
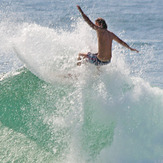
x,y
92,58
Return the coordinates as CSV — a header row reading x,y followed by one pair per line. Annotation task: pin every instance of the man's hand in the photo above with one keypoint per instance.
x,y
134,50
79,8
85,17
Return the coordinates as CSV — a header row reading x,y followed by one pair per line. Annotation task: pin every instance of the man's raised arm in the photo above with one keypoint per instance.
x,y
92,25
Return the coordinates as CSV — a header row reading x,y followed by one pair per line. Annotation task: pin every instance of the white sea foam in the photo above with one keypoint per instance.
x,y
120,115
52,54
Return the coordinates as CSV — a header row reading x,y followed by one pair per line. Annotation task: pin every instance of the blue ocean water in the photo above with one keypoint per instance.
x,y
53,111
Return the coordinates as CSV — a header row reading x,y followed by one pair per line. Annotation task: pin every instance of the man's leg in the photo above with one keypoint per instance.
x,y
79,58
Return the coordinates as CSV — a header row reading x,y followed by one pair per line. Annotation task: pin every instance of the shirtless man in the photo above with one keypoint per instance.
x,y
105,39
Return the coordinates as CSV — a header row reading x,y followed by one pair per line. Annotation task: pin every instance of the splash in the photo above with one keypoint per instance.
x,y
106,115
51,54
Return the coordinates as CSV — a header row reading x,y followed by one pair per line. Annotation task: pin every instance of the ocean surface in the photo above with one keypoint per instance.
x,y
52,111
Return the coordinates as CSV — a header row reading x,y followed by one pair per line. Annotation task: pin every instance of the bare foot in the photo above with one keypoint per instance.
x,y
79,63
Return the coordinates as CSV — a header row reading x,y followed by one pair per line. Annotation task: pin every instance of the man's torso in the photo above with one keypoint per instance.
x,y
104,45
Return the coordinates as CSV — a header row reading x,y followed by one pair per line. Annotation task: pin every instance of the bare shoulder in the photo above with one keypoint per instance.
x,y
103,30
110,33
106,32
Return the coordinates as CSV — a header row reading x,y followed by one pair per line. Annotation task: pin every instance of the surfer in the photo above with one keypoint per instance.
x,y
105,39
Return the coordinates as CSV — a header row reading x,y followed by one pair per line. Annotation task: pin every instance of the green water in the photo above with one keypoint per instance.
x,y
41,122
21,100
18,120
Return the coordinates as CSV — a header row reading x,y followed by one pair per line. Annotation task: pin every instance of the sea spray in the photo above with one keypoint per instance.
x,y
48,53
138,115
99,115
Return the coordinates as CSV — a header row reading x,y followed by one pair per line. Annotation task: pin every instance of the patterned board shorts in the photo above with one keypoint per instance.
x,y
92,58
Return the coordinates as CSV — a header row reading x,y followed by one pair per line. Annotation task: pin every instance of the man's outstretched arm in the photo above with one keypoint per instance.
x,y
85,17
117,39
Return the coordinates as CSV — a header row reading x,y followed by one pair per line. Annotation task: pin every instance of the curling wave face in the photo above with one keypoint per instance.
x,y
98,115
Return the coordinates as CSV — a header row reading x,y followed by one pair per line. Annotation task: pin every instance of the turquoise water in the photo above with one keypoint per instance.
x,y
53,111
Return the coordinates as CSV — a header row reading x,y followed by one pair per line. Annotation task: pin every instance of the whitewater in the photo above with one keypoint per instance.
x,y
52,110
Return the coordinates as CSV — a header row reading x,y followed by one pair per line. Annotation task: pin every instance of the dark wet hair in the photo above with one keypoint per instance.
x,y
102,23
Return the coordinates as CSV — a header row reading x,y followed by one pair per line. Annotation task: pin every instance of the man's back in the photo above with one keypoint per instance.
x,y
105,39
